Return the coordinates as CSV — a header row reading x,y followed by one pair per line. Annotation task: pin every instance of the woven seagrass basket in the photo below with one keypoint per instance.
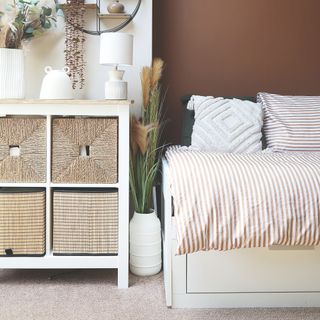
x,y
22,222
85,150
85,222
27,137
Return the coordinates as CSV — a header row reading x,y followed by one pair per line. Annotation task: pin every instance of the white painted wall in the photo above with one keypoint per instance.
x,y
49,50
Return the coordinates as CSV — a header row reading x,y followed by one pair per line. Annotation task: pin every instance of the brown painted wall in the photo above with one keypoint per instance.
x,y
236,47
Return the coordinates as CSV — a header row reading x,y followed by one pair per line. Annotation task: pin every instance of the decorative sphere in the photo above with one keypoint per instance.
x,y
116,7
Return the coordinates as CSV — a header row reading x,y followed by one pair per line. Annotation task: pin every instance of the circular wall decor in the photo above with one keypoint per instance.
x,y
127,19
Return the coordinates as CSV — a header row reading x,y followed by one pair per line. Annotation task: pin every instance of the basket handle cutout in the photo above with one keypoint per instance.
x,y
84,151
14,151
9,252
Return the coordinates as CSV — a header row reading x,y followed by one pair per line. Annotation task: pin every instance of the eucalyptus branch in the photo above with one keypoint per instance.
x,y
24,20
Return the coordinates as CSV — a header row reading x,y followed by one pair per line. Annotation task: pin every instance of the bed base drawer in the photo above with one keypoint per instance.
x,y
254,270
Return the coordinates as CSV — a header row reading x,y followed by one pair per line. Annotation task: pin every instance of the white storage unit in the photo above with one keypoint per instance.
x,y
79,109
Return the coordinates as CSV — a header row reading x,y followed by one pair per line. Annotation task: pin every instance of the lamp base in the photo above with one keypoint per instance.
x,y
116,90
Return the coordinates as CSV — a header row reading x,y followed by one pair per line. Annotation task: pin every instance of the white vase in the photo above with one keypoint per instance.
x,y
12,85
56,84
145,244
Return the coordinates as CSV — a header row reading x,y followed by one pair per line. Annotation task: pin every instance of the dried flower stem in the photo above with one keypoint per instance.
x,y
75,39
145,134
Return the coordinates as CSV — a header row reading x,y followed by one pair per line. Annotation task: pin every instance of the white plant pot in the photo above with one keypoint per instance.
x,y
12,85
145,244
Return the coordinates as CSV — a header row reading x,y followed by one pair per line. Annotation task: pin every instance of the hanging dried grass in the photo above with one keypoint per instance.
x,y
75,39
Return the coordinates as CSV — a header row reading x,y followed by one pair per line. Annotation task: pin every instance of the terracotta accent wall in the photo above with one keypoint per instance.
x,y
236,47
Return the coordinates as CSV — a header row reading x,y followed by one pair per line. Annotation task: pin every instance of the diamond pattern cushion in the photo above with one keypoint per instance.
x,y
226,125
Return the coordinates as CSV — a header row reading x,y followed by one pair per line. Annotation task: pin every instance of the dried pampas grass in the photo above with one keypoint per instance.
x,y
3,36
157,68
150,77
140,135
10,39
146,85
145,132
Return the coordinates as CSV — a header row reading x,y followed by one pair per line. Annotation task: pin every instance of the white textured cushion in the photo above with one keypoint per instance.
x,y
292,123
226,125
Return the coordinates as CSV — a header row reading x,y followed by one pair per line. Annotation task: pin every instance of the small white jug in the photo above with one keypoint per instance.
x,y
56,84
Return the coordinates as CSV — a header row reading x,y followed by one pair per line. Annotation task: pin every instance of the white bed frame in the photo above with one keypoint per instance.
x,y
262,277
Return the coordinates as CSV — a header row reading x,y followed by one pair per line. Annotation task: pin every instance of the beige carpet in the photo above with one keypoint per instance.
x,y
93,295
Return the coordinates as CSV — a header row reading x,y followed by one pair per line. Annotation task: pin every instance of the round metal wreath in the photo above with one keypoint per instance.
x,y
116,28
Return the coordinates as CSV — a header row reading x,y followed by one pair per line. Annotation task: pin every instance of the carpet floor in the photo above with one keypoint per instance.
x,y
93,295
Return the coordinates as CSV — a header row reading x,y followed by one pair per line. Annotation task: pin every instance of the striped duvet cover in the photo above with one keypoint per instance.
x,y
229,201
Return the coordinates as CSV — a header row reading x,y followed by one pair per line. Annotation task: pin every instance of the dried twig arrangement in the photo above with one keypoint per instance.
x,y
74,52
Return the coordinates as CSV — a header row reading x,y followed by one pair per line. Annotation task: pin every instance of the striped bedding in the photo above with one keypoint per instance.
x,y
229,201
292,123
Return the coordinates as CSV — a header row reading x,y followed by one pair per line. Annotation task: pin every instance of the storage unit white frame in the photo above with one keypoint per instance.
x,y
87,108
262,277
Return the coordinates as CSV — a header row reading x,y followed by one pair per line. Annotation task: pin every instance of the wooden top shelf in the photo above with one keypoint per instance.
x,y
87,108
73,102
114,16
87,5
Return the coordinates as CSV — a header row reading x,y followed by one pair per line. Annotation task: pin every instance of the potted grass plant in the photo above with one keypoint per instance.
x,y
20,21
145,230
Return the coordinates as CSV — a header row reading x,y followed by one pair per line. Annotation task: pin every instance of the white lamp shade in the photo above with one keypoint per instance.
x,y
116,48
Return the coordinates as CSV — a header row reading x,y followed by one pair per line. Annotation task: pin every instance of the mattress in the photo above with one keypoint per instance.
x,y
231,201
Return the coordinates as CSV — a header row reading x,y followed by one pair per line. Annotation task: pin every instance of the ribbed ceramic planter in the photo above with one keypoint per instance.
x,y
145,244
12,84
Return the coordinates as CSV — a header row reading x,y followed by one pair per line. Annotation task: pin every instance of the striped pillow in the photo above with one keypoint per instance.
x,y
292,123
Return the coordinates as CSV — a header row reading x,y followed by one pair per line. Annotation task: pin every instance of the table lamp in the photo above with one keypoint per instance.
x,y
116,49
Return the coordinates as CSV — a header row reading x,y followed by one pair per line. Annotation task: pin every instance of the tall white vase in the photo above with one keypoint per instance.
x,y
12,85
145,244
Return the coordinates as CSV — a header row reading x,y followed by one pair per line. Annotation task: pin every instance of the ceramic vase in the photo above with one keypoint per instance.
x,y
12,84
56,84
145,244
115,7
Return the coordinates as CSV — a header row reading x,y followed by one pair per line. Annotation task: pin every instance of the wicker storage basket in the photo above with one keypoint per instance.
x,y
85,150
85,222
28,137
22,222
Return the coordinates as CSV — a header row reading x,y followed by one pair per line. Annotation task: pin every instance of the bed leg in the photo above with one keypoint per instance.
x,y
166,232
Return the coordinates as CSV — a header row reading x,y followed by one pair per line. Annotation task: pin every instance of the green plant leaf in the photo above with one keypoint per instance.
x,y
47,11
29,30
47,24
37,33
